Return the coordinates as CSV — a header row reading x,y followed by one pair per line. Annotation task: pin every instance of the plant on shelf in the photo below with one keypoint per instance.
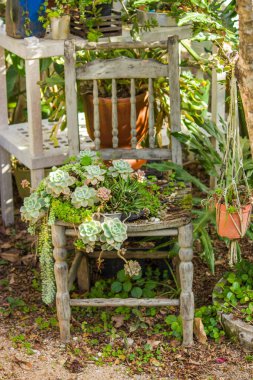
x,y
57,17
233,196
98,199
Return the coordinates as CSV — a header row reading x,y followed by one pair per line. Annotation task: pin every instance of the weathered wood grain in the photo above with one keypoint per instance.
x,y
130,302
121,68
133,115
71,98
61,277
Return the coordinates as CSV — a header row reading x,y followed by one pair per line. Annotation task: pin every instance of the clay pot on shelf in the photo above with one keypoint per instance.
x,y
232,225
124,122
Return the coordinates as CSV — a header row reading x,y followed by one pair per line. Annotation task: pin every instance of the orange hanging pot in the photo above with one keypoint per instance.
x,y
232,225
124,122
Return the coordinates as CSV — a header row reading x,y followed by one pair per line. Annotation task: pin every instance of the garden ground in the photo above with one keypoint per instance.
x,y
30,346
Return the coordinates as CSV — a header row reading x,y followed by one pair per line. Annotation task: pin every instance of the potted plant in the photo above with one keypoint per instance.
x,y
58,18
87,193
233,197
160,13
124,114
23,18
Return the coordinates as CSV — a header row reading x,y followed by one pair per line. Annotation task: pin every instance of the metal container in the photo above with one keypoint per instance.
x,y
17,11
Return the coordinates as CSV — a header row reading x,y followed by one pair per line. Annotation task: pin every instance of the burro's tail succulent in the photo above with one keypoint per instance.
x,y
58,183
84,196
114,234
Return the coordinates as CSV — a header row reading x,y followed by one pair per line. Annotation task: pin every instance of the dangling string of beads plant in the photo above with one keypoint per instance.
x,y
233,195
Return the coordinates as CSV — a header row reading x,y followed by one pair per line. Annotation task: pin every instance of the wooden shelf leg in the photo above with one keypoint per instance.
x,y
61,277
185,239
6,188
36,176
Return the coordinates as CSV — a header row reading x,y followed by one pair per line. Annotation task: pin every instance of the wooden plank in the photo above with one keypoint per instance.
x,y
36,177
3,91
131,254
34,111
130,302
96,114
73,269
133,115
115,139
83,275
162,232
122,67
175,111
6,188
151,120
145,154
71,98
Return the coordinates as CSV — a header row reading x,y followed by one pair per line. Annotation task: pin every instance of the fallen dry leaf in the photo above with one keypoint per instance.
x,y
12,256
118,320
199,331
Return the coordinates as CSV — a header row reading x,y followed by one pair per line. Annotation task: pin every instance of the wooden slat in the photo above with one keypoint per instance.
x,y
74,267
80,44
96,115
163,232
175,112
71,98
130,302
115,139
133,115
122,67
151,120
145,154
130,254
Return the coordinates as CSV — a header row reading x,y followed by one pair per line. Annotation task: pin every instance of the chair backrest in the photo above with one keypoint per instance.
x,y
124,68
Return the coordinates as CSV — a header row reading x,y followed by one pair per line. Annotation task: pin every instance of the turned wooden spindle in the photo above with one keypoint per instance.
x,y
61,278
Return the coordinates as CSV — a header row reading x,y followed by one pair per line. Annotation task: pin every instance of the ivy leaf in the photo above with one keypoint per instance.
x,y
127,286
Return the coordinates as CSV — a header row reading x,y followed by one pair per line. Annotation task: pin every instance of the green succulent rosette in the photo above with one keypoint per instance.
x,y
120,168
114,234
89,233
95,174
84,196
33,208
58,183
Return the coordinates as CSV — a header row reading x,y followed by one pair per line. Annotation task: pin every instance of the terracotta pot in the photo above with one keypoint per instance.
x,y
230,225
124,122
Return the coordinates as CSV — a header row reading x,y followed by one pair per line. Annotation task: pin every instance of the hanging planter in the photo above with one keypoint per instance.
x,y
233,197
22,18
232,225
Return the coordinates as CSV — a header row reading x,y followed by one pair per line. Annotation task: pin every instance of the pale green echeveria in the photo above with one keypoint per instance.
x,y
122,168
89,233
93,155
33,208
114,234
58,183
94,174
84,196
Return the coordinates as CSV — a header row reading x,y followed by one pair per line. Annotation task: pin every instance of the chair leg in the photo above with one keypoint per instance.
x,y
83,275
61,277
6,188
185,239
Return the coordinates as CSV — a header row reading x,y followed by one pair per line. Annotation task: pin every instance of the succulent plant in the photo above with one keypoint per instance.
x,y
132,268
114,234
58,182
89,233
33,208
122,168
94,174
84,196
104,194
88,153
88,157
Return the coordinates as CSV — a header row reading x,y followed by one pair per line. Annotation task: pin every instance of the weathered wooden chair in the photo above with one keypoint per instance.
x,y
178,226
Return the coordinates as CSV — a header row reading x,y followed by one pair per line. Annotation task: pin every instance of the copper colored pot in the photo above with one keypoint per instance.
x,y
232,225
124,119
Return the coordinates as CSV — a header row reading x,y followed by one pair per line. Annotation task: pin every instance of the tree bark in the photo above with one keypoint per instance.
x,y
245,62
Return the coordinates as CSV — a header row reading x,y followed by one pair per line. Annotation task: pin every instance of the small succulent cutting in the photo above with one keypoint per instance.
x,y
58,182
120,168
94,174
84,196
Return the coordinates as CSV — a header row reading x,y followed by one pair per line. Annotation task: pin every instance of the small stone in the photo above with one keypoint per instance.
x,y
129,342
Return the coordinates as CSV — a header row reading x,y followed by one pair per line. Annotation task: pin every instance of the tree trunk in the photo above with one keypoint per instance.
x,y
245,63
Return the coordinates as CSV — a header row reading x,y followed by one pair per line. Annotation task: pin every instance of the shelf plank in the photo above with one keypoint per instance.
x,y
130,302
